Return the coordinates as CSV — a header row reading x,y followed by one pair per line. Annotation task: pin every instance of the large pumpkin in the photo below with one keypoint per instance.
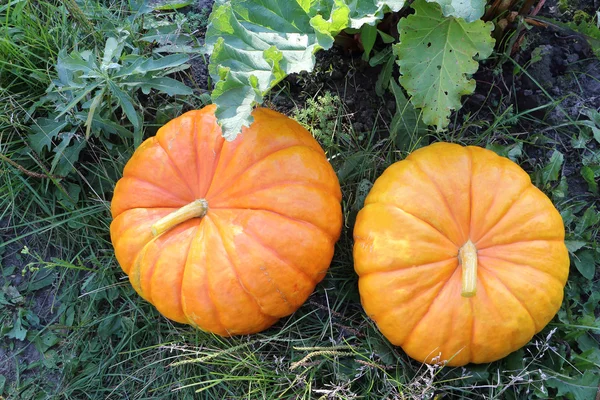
x,y
226,236
459,255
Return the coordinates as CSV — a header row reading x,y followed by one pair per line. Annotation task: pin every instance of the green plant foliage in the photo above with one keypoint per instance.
x,y
407,129
173,32
90,89
254,44
436,56
320,116
371,11
469,10
172,5
583,387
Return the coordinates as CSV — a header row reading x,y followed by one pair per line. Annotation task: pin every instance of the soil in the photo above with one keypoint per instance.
x,y
346,75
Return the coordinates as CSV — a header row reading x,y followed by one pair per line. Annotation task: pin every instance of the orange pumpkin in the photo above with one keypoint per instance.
x,y
460,257
226,236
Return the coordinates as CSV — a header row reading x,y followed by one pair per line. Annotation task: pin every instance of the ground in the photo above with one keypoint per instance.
x,y
72,326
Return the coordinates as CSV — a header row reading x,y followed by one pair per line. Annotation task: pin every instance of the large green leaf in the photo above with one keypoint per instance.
x,y
370,11
254,44
436,55
469,10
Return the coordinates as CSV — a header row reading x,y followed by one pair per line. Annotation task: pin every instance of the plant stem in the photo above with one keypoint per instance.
x,y
467,257
26,171
196,209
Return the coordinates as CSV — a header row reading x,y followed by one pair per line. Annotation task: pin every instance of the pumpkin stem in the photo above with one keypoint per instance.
x,y
196,209
467,256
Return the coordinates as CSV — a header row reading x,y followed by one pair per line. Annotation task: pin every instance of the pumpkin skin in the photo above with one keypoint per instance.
x,y
265,240
418,216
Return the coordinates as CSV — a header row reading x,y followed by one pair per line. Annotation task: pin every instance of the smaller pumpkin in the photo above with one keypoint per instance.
x,y
227,236
459,256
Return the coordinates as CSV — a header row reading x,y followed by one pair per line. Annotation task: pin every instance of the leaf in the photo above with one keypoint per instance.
x,y
170,61
590,218
17,331
574,245
254,44
66,157
469,10
516,151
172,5
583,387
561,190
166,85
368,35
43,343
78,97
551,171
109,326
111,49
46,130
590,177
96,102
436,56
126,102
406,129
385,77
584,261
42,279
371,11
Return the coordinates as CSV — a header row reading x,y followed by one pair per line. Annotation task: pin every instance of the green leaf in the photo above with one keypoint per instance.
x,y
574,245
43,343
469,10
551,171
170,61
254,44
583,387
590,177
46,130
371,11
166,85
110,325
17,331
126,103
384,77
111,49
78,97
172,5
584,261
385,37
407,129
590,218
66,157
436,56
368,35
561,190
41,280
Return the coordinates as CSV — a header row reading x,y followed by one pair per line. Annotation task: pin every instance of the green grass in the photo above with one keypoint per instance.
x,y
73,328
